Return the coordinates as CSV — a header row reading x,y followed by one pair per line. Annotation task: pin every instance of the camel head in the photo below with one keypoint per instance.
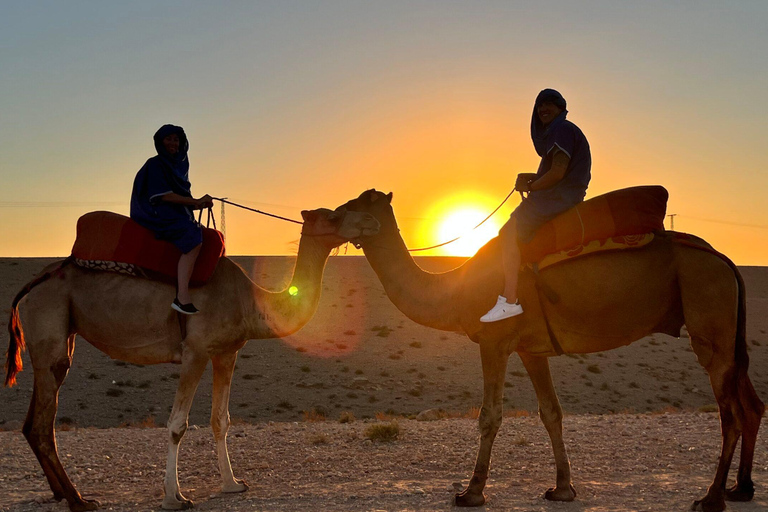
x,y
336,227
375,203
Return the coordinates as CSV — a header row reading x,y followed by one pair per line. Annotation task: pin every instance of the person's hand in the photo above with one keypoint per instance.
x,y
204,202
524,180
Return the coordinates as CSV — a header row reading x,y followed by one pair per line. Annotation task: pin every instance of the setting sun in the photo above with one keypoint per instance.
x,y
457,216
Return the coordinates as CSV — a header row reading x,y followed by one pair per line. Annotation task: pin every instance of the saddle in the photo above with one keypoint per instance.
x,y
619,220
116,243
621,217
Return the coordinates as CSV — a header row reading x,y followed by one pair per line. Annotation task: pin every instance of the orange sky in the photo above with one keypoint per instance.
x,y
300,106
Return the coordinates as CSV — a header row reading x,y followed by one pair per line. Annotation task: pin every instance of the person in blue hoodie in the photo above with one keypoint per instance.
x,y
559,184
162,202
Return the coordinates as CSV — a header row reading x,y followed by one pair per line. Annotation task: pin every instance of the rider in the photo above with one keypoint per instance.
x,y
559,184
162,202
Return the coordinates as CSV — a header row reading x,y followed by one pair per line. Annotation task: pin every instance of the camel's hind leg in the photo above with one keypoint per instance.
x,y
51,361
494,357
752,409
223,367
192,367
551,415
740,414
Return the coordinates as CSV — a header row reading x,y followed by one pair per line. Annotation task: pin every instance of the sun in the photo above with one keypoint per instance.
x,y
457,216
461,222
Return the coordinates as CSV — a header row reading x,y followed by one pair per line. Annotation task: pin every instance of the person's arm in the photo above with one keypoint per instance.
x,y
204,202
555,174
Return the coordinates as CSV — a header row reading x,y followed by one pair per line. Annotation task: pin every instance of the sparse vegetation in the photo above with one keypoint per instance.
x,y
383,432
313,416
319,438
346,417
593,368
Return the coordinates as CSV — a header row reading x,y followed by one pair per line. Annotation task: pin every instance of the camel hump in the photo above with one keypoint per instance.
x,y
628,211
108,240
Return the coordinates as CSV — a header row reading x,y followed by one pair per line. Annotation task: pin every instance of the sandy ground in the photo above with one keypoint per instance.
x,y
359,354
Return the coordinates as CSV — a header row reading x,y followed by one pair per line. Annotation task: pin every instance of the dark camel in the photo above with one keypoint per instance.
x,y
594,303
130,319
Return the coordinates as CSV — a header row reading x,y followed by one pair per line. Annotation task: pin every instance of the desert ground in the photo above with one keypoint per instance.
x,y
360,357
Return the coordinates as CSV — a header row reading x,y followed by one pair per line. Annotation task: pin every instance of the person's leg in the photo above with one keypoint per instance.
x,y
506,305
510,258
185,268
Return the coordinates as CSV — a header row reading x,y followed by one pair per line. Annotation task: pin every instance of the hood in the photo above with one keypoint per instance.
x,y
178,163
162,133
538,131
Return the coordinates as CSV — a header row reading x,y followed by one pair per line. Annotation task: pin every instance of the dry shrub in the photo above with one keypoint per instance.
x,y
312,416
319,438
346,417
708,408
383,432
473,413
517,413
148,422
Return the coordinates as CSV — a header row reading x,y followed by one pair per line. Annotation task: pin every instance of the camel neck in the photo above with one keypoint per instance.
x,y
426,298
278,314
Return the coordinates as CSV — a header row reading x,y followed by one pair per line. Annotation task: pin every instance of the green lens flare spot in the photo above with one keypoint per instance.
x,y
293,291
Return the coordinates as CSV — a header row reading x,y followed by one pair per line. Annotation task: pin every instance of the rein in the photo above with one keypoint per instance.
x,y
251,210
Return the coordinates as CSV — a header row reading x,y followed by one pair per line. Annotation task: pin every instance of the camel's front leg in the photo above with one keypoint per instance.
x,y
494,356
551,415
192,367
223,367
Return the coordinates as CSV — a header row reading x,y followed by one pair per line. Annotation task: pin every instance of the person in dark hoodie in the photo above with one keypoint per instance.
x,y
559,184
162,202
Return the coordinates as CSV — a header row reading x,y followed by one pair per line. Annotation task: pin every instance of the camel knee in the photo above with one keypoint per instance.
x,y
60,369
551,414
220,426
489,420
177,431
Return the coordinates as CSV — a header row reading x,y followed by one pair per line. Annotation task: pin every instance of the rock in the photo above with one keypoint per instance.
x,y
429,415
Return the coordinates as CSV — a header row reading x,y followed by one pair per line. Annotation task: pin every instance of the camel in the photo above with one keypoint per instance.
x,y
592,303
130,319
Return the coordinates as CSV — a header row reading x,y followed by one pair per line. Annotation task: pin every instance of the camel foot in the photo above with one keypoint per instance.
x,y
740,493
560,494
236,485
469,499
82,504
177,502
709,504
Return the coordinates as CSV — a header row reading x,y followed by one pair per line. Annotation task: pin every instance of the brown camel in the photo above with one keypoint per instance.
x,y
130,319
593,303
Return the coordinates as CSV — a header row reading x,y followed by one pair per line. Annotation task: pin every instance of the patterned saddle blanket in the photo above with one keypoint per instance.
x,y
620,219
113,242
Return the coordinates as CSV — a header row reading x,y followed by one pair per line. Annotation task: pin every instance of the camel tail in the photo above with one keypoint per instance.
x,y
13,362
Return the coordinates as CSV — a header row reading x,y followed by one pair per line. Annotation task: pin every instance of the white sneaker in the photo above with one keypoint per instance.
x,y
502,310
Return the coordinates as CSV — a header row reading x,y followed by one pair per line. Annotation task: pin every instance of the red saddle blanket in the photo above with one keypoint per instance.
x,y
629,211
107,236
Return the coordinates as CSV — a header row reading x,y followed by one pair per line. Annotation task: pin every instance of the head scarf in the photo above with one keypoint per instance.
x,y
538,131
178,163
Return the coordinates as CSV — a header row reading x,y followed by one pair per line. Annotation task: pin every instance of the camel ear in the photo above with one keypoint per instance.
x,y
389,197
307,214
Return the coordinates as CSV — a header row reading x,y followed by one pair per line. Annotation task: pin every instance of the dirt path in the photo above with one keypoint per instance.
x,y
620,462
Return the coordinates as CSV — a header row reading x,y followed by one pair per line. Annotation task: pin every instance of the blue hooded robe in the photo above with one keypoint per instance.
x,y
160,175
542,206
